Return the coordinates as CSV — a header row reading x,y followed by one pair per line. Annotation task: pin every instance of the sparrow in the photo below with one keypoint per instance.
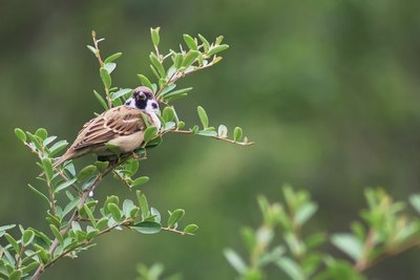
x,y
117,130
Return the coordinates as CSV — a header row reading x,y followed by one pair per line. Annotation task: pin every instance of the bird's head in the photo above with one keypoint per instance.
x,y
144,100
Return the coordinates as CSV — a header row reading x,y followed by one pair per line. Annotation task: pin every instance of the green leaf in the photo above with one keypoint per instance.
x,y
90,215
30,267
65,185
190,57
144,81
15,275
115,211
20,134
147,227
7,227
203,117
157,64
191,228
106,77
235,261
110,67
156,214
273,256
56,233
48,169
41,133
123,92
150,133
86,172
92,49
175,216
70,206
100,99
144,205
205,42
35,140
27,237
140,181
102,223
178,59
128,206
222,131
237,133
42,253
219,39
168,113
176,94
415,202
338,269
305,212
190,41
75,226
102,165
167,89
39,193
217,49
349,244
154,32
49,140
207,132
292,269
112,57
12,242
315,240
58,147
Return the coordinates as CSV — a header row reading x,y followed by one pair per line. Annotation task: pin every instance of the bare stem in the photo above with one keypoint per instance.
x,y
231,141
176,231
388,252
101,64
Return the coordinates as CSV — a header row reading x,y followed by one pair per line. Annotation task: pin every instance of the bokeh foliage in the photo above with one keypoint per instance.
x,y
329,89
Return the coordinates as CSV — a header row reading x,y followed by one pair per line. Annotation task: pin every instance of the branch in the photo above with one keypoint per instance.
x,y
181,74
224,139
389,252
64,231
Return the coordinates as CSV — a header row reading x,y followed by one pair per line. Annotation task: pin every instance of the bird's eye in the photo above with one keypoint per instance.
x,y
154,105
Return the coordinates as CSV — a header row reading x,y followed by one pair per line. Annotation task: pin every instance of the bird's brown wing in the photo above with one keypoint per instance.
x,y
119,121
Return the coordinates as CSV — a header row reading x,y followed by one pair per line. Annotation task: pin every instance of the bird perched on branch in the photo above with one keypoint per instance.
x,y
120,128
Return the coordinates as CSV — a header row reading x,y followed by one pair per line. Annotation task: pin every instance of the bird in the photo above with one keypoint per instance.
x,y
117,130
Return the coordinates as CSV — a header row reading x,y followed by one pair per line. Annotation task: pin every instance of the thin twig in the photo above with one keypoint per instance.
x,y
190,132
101,64
176,231
389,252
361,264
180,74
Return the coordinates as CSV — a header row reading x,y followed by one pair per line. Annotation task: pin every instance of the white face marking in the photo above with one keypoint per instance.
x,y
152,108
130,102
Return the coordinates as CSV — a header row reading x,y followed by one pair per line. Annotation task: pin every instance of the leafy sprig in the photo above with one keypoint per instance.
x,y
75,218
386,230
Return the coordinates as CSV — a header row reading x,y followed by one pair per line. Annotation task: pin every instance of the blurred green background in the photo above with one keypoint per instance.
x,y
328,89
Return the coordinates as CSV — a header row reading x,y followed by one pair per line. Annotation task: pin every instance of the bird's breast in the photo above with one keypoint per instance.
x,y
128,143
